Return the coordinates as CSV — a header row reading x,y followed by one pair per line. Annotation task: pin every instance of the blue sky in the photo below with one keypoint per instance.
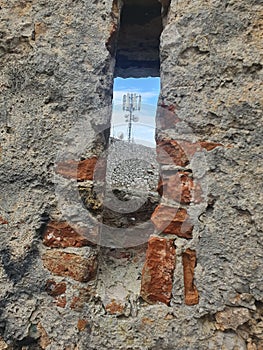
x,y
149,88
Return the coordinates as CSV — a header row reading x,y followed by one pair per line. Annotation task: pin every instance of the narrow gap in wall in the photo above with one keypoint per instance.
x,y
132,169
137,66
137,52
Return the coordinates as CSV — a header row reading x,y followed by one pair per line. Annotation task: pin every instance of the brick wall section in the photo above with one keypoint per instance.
x,y
79,269
176,184
114,308
78,265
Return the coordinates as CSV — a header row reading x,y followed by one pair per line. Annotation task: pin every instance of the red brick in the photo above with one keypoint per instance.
x,y
173,221
190,290
57,290
75,303
61,301
74,169
180,152
171,152
157,274
115,308
61,235
54,289
3,221
82,324
180,187
209,146
70,265
83,297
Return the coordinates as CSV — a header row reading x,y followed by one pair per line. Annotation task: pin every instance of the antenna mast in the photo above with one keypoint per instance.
x,y
131,103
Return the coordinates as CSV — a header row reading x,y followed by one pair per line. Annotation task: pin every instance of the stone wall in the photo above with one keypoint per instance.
x,y
187,275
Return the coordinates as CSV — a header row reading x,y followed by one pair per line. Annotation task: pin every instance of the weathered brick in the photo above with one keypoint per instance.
x,y
115,308
190,291
40,29
59,234
74,169
171,152
209,146
180,152
147,321
83,297
70,265
3,221
157,274
54,289
174,221
180,187
61,301
82,324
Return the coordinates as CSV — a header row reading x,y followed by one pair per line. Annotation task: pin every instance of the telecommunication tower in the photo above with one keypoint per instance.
x,y
131,103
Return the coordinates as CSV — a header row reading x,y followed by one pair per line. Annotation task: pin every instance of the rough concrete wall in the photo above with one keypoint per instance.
x,y
56,82
201,284
211,73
